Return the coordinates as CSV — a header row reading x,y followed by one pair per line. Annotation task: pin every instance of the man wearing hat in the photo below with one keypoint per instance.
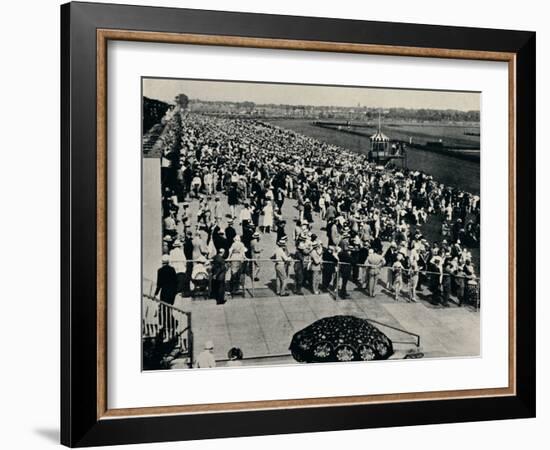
x,y
230,233
281,232
178,262
397,272
345,268
390,257
316,259
282,260
245,216
375,262
167,282
236,256
218,239
446,282
167,286
255,253
206,359
299,266
219,270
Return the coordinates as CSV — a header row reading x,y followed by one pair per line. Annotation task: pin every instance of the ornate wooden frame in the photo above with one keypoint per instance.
x,y
86,418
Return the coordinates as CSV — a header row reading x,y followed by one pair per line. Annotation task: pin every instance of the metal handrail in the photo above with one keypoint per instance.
x,y
177,334
168,305
292,260
410,333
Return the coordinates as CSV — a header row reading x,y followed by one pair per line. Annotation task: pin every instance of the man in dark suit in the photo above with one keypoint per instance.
x,y
167,285
219,240
390,257
345,269
188,252
230,233
219,270
167,282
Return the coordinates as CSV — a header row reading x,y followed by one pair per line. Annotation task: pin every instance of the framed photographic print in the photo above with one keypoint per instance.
x,y
277,224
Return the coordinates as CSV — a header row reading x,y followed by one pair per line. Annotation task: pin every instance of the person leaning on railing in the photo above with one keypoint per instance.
x,y
179,263
299,267
282,261
236,256
316,260
330,262
375,263
255,253
460,283
397,275
345,268
219,270
413,278
448,273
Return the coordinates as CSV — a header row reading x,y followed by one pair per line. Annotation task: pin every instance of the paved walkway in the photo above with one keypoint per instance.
x,y
263,327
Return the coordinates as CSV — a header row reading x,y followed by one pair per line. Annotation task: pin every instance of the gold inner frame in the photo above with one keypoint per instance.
x,y
104,35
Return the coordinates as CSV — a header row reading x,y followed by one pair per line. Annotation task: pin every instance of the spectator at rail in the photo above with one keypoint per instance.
x,y
413,273
179,263
447,278
219,270
460,283
282,261
299,267
316,259
397,270
236,257
330,262
200,248
167,286
390,257
230,233
255,255
346,261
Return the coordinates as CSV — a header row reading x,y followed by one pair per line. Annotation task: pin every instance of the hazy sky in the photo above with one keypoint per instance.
x,y
292,94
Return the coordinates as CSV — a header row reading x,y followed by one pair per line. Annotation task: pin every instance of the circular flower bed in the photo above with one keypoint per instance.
x,y
340,339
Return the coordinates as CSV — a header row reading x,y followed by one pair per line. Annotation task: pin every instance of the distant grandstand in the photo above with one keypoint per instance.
x,y
153,112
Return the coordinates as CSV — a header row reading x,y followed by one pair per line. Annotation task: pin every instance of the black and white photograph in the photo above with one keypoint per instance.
x,y
287,224
262,224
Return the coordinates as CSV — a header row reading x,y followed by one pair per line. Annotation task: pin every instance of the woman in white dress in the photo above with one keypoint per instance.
x,y
268,217
237,254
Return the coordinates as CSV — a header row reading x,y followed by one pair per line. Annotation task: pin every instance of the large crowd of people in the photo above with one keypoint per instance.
x,y
371,216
